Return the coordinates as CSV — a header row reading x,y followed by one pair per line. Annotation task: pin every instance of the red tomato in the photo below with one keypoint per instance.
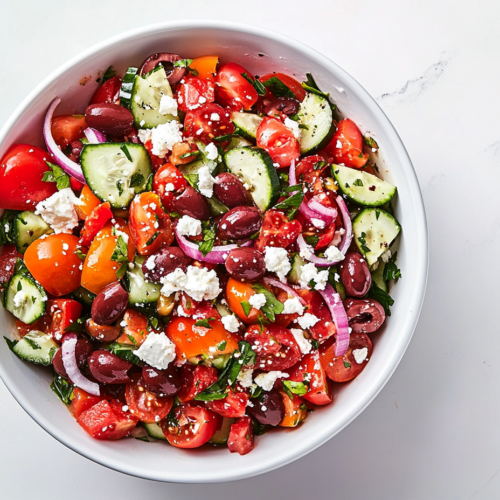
x,y
168,181
232,406
135,330
68,128
75,185
195,379
290,82
95,222
278,141
155,160
108,92
345,368
324,328
107,420
295,410
311,371
21,172
82,401
233,89
208,122
150,227
349,138
60,314
194,92
145,405
241,436
8,261
311,168
236,293
192,427
277,231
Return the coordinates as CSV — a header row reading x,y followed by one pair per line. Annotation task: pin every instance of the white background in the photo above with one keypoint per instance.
x,y
433,66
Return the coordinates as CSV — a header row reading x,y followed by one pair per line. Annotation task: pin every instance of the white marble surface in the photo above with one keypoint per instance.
x,y
433,431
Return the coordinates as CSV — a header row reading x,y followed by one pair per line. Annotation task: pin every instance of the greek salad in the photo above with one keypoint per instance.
x,y
202,256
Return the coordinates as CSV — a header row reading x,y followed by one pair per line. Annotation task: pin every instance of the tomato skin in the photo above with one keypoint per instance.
x,y
8,260
236,293
201,119
233,89
196,425
95,222
278,141
295,410
60,314
68,128
206,66
189,93
21,173
82,401
305,171
107,421
241,437
87,202
168,174
290,82
108,92
136,327
325,327
351,152
232,406
277,231
195,379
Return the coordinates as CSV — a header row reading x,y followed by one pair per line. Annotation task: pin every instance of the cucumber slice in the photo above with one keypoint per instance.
x,y
36,347
374,231
112,176
146,96
28,227
216,207
127,86
83,295
248,123
362,187
315,116
140,291
222,435
203,161
154,431
237,142
378,277
255,167
25,298
297,263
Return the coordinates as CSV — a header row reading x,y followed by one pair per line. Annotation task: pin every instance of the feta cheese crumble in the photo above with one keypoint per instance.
x,y
245,378
211,151
58,211
386,256
205,182
189,226
304,344
308,273
293,126
168,105
231,324
257,301
198,283
20,299
318,223
163,137
276,260
267,380
307,321
215,117
360,354
293,306
333,254
157,351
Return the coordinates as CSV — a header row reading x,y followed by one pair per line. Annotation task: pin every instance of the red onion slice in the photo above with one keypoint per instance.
x,y
153,60
326,214
94,136
283,286
292,178
339,316
217,255
70,167
69,362
319,261
345,243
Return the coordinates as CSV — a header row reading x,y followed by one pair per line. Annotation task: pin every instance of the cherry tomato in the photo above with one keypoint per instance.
x,y
8,260
233,89
324,328
108,92
290,82
60,314
311,168
150,226
155,160
68,128
87,202
277,231
82,401
192,427
95,222
21,172
346,145
135,330
168,182
278,141
206,66
54,264
195,379
194,92
232,406
345,368
236,293
207,122
295,410
241,436
179,152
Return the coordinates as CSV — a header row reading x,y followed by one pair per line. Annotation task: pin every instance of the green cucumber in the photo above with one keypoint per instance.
x,y
378,277
216,207
140,291
248,123
297,263
316,122
237,142
222,435
127,86
36,347
154,431
202,161
25,298
28,227
83,295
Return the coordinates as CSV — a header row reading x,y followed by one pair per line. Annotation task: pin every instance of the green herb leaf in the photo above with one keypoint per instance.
x,y
11,343
311,86
303,126
221,345
347,364
108,74
272,306
78,325
278,88
391,270
226,137
120,253
370,142
184,63
153,238
119,187
125,351
358,182
32,343
257,85
136,180
121,270
149,183
204,322
192,180
298,388
314,343
386,301
56,174
208,239
80,254
255,391
125,150
19,286
246,307
293,201
255,235
311,239
362,240
191,154
291,189
63,388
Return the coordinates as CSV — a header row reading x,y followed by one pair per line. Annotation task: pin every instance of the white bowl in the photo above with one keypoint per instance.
x,y
74,83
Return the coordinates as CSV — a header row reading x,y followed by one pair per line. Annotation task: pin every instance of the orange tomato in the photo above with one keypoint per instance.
x,y
98,269
192,340
88,201
206,66
136,329
236,293
295,410
67,128
53,263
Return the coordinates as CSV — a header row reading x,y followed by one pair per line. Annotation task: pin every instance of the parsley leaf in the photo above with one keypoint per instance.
x,y
184,63
56,174
221,345
391,270
136,180
204,322
257,85
246,307
291,205
10,343
120,253
362,240
347,364
386,301
319,165
153,238
358,182
125,351
208,238
108,74
149,183
370,142
311,86
78,325
278,88
298,388
119,187
125,150
272,306
80,254
192,180
191,154
63,388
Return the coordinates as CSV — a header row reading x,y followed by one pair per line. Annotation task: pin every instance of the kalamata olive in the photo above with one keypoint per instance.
x,y
355,275
83,350
109,118
104,333
76,149
109,304
268,408
240,223
245,264
162,382
107,368
271,106
192,203
230,191
166,60
164,261
364,315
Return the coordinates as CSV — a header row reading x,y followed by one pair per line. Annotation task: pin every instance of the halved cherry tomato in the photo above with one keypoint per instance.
x,y
290,82
277,231
180,150
68,128
87,202
233,89
95,222
207,122
135,330
194,92
54,264
197,310
278,141
107,420
155,160
346,145
283,319
108,92
168,181
145,405
241,436
311,168
21,172
232,406
295,410
82,401
98,269
76,186
325,327
236,293
192,427
150,226
8,261
345,368
195,379
206,66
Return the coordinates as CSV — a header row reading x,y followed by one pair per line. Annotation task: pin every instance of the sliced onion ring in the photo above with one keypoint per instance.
x,y
319,261
70,167
326,214
94,136
217,255
283,286
339,316
69,362
345,243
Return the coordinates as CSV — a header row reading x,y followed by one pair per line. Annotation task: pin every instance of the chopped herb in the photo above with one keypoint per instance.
x,y
108,74
314,343
257,85
246,307
386,301
204,322
358,182
278,88
175,215
311,239
347,364
292,388
63,388
149,183
184,63
119,187
153,238
362,240
56,174
221,345
136,180
125,150
32,343
192,180
255,235
370,142
120,253
131,338
124,351
153,321
255,391
391,270
291,189
311,86
223,138
272,306
11,343
291,205
80,254
377,214
319,165
78,325
19,286
303,126
191,154
208,238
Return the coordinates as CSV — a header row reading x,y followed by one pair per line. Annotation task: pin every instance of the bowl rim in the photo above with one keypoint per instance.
x,y
418,207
